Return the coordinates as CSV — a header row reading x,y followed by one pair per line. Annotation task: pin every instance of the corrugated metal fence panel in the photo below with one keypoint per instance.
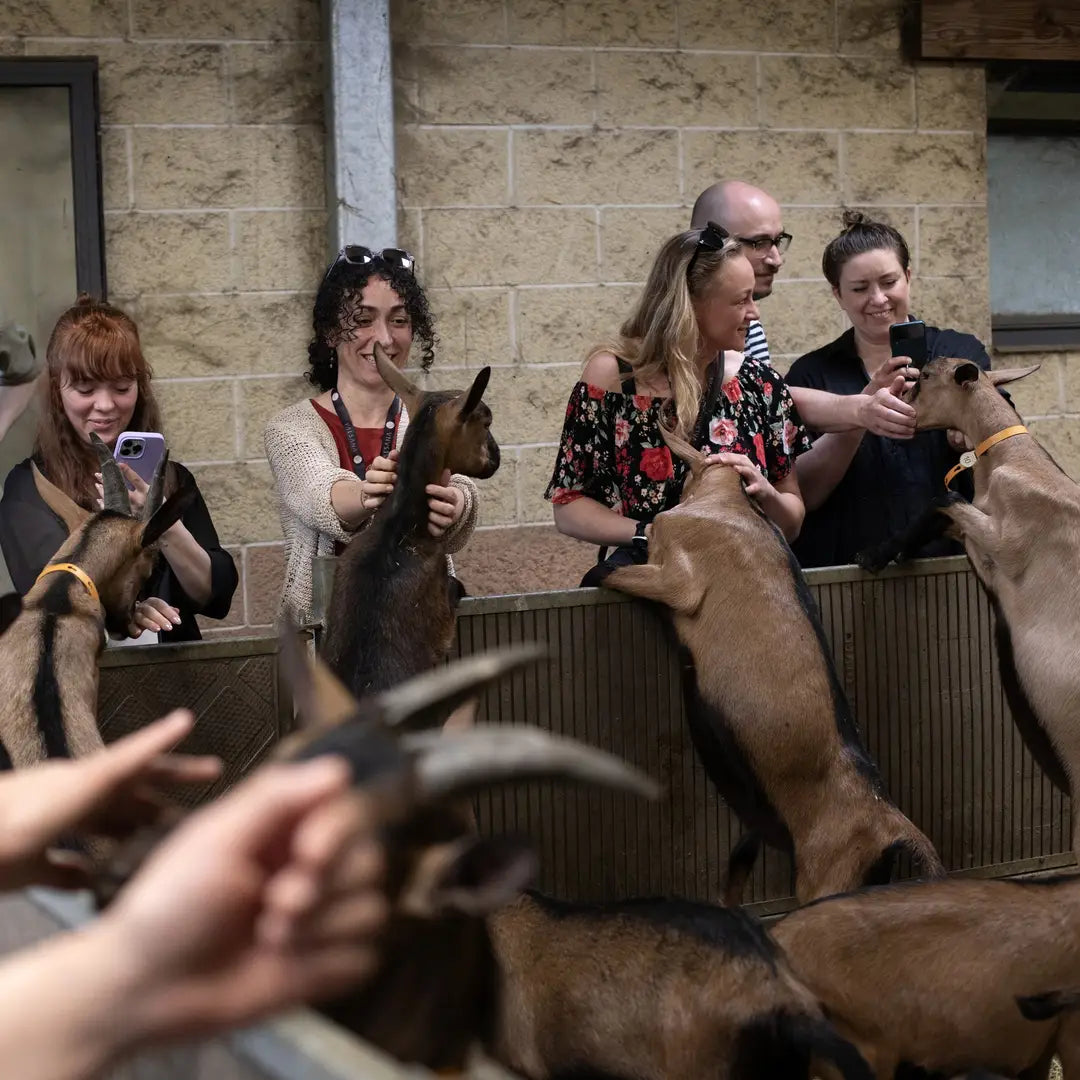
x,y
914,649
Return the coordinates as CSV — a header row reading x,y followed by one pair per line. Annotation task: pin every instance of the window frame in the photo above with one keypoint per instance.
x,y
79,76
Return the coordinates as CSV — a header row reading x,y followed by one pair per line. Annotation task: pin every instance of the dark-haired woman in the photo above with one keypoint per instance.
x,y
97,380
334,456
861,488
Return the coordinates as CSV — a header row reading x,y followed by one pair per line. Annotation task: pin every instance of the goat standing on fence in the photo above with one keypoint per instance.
x,y
391,615
1022,536
782,747
49,652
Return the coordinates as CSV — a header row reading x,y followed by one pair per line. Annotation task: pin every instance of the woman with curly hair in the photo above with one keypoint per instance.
x,y
97,380
334,456
678,363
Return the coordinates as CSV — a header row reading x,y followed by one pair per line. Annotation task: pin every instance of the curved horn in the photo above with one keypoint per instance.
x,y
468,761
426,698
112,479
321,700
395,378
476,392
156,495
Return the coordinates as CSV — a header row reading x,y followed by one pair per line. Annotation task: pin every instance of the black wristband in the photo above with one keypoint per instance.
x,y
639,537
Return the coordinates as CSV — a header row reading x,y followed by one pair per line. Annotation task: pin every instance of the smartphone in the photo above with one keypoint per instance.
x,y
909,339
141,450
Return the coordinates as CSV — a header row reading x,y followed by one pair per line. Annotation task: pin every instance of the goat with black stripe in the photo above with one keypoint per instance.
x,y
53,636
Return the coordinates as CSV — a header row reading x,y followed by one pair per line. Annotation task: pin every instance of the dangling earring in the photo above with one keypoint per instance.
x,y
333,358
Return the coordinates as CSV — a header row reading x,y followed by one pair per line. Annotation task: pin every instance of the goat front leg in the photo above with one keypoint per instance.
x,y
930,525
671,582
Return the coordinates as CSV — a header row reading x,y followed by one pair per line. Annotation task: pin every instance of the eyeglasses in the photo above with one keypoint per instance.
x,y
358,255
713,237
781,241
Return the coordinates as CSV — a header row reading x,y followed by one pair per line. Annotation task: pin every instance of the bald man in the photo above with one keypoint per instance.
x,y
753,217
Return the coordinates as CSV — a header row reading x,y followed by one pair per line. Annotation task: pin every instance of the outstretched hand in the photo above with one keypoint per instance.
x,y
446,504
755,482
110,793
884,412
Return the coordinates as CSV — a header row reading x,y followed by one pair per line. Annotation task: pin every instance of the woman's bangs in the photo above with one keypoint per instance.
x,y
98,355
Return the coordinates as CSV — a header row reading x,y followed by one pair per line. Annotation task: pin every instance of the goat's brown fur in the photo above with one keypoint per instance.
x,y
652,990
929,973
764,702
391,614
48,654
1022,536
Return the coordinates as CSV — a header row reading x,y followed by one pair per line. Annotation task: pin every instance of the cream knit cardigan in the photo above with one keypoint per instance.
x,y
304,460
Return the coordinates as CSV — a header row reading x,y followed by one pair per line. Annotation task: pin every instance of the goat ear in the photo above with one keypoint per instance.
x,y
395,378
966,374
1008,375
10,609
471,876
113,485
476,392
169,514
69,511
321,701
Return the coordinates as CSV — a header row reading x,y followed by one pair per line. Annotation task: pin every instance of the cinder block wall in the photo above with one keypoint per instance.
x,y
214,220
545,149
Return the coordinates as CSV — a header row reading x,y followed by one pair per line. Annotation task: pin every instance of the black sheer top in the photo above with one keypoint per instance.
x,y
30,533
889,481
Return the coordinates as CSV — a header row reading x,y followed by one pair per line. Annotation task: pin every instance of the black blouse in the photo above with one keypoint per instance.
x,y
889,481
30,533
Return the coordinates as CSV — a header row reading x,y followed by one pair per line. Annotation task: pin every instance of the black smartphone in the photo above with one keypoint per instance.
x,y
909,339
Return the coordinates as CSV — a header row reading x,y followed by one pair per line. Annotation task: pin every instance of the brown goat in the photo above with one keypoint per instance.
x,y
433,998
48,653
780,743
930,974
391,615
1022,536
652,990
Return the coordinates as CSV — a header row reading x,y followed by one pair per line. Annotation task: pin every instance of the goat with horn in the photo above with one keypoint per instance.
x,y
53,636
391,615
433,997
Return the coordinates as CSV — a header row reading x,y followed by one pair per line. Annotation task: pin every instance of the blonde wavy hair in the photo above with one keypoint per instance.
x,y
660,336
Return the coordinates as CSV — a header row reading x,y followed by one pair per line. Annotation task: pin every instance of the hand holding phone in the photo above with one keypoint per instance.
x,y
141,451
909,339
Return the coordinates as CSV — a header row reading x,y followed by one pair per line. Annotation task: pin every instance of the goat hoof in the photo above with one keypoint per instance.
x,y
873,560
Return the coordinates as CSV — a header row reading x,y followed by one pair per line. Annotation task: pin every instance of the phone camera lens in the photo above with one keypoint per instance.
x,y
136,447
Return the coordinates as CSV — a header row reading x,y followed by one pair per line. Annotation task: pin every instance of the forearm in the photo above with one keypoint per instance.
x,y
457,536
345,498
785,509
189,561
65,1009
586,519
825,412
821,468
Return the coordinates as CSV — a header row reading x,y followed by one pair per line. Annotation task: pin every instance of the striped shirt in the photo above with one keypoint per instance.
x,y
756,346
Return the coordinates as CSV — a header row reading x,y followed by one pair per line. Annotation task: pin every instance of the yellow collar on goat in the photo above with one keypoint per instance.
x,y
75,571
968,460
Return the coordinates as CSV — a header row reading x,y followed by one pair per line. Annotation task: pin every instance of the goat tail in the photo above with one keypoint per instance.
x,y
1047,1006
740,863
816,1036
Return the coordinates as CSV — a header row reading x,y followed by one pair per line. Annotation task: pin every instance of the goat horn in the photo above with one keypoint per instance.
x,y
469,761
425,699
321,700
112,479
395,378
156,495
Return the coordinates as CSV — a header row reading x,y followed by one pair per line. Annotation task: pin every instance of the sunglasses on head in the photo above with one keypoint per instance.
x,y
713,237
358,255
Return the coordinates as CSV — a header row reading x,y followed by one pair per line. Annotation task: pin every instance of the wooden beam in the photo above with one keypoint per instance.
x,y
1001,29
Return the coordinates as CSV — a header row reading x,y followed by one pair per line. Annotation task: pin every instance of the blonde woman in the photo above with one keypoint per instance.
x,y
678,361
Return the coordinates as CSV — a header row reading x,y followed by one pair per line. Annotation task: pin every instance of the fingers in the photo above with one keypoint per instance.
x,y
140,486
154,614
184,769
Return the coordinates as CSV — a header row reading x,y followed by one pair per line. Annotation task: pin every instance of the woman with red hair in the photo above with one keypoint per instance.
x,y
98,381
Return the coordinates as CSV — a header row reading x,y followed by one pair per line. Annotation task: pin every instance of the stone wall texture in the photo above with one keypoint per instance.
x,y
544,150
215,211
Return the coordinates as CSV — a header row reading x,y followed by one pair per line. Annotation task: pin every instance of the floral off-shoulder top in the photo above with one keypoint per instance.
x,y
612,450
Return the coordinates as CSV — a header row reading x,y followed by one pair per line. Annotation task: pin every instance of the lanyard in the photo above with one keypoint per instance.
x,y
389,429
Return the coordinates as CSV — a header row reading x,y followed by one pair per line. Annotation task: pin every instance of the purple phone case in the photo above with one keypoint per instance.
x,y
153,450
